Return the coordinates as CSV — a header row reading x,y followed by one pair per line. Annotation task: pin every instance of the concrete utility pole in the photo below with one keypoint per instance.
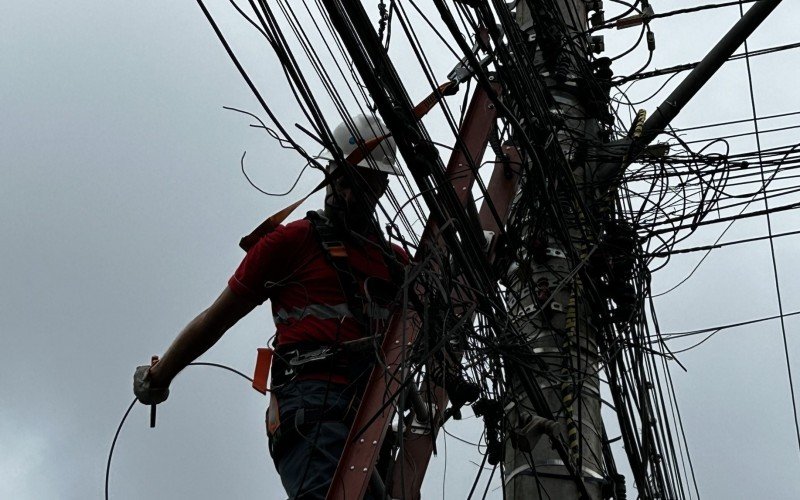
x,y
554,317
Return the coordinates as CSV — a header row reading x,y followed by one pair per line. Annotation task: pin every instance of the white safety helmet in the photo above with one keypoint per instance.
x,y
364,128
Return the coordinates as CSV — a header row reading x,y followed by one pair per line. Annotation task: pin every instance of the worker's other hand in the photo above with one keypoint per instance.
x,y
144,392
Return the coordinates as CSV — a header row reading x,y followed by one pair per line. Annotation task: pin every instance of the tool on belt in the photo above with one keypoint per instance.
x,y
287,362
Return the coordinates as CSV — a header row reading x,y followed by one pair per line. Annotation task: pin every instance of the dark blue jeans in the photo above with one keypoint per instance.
x,y
312,433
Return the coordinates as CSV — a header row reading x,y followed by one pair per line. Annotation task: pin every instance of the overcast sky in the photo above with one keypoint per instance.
x,y
122,203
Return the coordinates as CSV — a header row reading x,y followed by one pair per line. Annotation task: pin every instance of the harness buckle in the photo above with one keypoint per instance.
x,y
335,249
300,358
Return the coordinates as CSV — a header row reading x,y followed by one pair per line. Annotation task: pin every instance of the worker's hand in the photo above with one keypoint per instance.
x,y
144,392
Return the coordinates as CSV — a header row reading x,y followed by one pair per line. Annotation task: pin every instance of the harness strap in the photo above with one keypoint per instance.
x,y
336,254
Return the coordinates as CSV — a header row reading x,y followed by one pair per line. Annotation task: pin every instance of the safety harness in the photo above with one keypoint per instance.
x,y
336,255
348,361
365,305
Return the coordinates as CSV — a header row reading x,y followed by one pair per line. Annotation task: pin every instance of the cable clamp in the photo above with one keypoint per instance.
x,y
335,249
638,19
463,71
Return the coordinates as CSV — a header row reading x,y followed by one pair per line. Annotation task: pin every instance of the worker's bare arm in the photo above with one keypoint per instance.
x,y
199,335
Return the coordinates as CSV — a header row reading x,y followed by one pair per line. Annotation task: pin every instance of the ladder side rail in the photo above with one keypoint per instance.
x,y
376,411
409,470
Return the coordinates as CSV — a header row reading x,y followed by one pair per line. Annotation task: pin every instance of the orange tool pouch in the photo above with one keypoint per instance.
x,y
261,374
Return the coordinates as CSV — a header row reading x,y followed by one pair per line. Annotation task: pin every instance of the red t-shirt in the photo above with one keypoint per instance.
x,y
288,267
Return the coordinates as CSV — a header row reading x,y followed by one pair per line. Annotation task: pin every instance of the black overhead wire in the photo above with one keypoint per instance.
x,y
736,122
714,330
333,93
253,87
514,85
686,457
662,485
646,99
769,167
745,134
694,181
691,10
662,438
683,448
433,29
645,29
318,67
764,188
294,75
404,185
471,164
689,66
675,227
714,246
423,62
698,220
781,155
297,82
646,18
632,7
772,242
500,59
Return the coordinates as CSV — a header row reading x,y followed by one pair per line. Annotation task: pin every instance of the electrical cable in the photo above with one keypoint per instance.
x,y
133,403
684,191
771,242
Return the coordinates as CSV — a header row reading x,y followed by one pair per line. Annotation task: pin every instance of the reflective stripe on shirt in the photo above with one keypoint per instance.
x,y
319,311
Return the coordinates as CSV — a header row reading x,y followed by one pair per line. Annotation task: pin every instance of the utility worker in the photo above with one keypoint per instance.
x,y
327,277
